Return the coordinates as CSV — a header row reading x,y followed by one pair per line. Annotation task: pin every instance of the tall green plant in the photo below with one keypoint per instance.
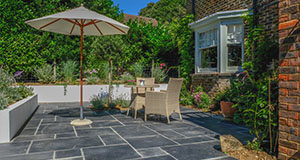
x,y
69,70
45,73
137,69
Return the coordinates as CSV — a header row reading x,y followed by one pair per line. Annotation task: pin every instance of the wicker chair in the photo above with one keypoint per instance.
x,y
138,95
164,102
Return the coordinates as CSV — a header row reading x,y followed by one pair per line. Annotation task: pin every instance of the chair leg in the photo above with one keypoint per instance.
x,y
168,118
179,114
145,117
128,112
135,113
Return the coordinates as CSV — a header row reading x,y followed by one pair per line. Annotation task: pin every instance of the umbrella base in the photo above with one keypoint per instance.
x,y
81,122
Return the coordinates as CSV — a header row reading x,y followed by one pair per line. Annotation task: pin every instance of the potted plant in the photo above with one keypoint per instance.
x,y
227,103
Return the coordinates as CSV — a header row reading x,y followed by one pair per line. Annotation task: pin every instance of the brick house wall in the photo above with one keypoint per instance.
x,y
268,19
289,76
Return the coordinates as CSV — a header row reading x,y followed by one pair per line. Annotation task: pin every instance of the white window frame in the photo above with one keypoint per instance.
x,y
218,21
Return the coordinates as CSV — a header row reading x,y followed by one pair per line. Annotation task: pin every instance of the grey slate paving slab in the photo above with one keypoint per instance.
x,y
28,132
68,143
165,157
149,142
13,148
68,153
193,140
106,124
120,152
37,137
191,132
171,134
133,131
151,152
112,139
195,151
95,131
55,129
34,156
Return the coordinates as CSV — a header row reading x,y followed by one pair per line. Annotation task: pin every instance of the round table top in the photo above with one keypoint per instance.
x,y
142,86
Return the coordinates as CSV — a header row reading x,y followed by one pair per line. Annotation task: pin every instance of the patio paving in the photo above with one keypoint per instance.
x,y
113,136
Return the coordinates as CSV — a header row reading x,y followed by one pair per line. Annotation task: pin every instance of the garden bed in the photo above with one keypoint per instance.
x,y
14,116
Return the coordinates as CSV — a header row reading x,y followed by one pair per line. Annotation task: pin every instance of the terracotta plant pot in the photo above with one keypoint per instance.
x,y
227,110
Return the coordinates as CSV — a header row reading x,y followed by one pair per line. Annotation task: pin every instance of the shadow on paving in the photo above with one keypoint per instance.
x,y
217,124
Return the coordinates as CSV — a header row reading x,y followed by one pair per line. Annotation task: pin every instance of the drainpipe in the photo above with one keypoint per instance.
x,y
193,7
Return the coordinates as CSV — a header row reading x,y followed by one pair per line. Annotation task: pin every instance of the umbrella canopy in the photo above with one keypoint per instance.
x,y
70,22
79,21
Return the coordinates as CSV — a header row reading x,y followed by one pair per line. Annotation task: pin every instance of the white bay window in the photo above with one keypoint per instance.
x,y
219,40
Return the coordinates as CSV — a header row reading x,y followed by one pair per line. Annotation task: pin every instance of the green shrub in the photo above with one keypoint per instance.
x,y
24,91
99,101
8,93
159,74
201,99
122,101
186,97
6,80
103,71
137,69
91,76
126,77
92,80
69,69
3,101
45,74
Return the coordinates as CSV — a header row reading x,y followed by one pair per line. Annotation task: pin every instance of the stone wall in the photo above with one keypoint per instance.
x,y
289,76
211,82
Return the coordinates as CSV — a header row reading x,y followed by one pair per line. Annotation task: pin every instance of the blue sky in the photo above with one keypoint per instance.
x,y
132,6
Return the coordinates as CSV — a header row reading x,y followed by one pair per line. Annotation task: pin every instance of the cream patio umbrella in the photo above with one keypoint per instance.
x,y
79,21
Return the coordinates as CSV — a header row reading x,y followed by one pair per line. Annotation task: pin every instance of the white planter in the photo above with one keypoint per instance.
x,y
55,93
13,117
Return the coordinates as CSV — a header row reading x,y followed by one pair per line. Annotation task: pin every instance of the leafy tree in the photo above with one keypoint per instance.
x,y
183,35
109,48
23,47
165,10
148,42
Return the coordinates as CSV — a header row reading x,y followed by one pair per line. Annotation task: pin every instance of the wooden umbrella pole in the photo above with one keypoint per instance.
x,y
81,70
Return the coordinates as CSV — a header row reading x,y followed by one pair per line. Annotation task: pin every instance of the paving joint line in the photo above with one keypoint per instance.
x,y
27,151
116,119
54,154
54,136
69,158
178,133
82,154
162,135
126,142
75,131
55,119
101,140
169,154
38,127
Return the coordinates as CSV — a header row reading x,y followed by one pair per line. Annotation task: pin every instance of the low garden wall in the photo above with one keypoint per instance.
x,y
14,116
211,82
56,93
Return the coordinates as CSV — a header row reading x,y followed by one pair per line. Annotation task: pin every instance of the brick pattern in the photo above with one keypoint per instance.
x,y
211,82
289,76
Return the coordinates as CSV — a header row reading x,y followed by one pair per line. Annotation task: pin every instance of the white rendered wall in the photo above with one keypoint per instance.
x,y
55,93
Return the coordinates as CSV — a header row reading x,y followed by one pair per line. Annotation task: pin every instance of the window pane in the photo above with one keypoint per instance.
x,y
234,54
209,57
